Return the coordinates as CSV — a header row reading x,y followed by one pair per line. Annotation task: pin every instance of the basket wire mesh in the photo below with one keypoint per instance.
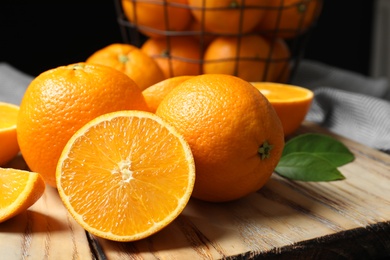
x,y
136,34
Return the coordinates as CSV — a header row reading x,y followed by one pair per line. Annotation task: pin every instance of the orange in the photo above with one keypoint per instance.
x,y
244,57
155,94
60,101
289,18
130,60
228,16
9,145
176,56
291,103
156,18
279,62
18,191
125,175
198,32
234,133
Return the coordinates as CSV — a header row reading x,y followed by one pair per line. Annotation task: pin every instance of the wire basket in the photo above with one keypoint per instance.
x,y
289,22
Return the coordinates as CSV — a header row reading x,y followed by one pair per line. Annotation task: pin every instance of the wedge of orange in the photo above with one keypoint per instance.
x,y
19,190
9,147
125,175
291,103
155,94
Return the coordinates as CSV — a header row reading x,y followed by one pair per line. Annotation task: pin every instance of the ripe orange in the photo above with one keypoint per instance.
x,y
9,147
130,60
234,133
244,57
125,175
155,94
291,103
61,100
279,62
154,17
289,18
228,16
18,191
176,56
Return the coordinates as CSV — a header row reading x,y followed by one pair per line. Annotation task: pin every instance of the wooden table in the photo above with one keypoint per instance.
x,y
284,220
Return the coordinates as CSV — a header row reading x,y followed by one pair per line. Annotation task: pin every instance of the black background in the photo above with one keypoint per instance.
x,y
36,36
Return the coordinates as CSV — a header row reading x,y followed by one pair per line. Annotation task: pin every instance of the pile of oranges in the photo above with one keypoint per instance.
x,y
251,39
130,134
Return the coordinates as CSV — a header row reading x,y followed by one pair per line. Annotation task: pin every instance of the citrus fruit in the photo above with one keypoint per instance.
x,y
19,190
228,16
9,147
130,60
176,56
244,57
155,93
279,62
289,18
125,175
154,17
234,133
61,100
290,102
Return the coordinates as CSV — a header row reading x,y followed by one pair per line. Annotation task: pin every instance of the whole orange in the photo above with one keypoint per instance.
x,y
131,60
154,17
60,101
176,55
234,133
157,92
228,16
244,57
279,63
289,18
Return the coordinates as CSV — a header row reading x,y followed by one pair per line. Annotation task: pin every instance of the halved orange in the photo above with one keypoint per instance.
x,y
9,147
19,190
155,94
291,103
125,175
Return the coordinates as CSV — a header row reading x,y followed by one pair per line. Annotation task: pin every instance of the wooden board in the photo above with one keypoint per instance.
x,y
284,220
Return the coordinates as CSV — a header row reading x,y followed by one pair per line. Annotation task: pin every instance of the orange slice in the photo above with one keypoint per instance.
x,y
155,94
9,147
18,191
291,103
125,175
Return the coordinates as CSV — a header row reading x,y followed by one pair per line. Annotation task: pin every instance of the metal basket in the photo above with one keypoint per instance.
x,y
134,33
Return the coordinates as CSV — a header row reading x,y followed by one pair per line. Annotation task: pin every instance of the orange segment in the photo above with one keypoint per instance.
x,y
125,175
18,191
290,102
9,147
155,93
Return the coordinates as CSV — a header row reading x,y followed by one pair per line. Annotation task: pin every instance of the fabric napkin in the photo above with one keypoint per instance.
x,y
346,103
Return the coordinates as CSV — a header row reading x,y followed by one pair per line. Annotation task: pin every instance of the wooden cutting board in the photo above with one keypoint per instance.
x,y
284,220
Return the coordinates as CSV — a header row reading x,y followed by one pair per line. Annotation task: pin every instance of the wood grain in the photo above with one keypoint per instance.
x,y
44,231
288,219
283,220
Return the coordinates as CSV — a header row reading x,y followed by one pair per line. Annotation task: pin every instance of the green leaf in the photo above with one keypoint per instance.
x,y
320,145
303,166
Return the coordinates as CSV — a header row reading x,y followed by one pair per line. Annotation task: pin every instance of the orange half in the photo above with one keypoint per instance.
x,y
19,190
125,175
9,147
290,102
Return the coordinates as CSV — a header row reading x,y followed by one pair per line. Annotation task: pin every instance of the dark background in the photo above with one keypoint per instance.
x,y
36,36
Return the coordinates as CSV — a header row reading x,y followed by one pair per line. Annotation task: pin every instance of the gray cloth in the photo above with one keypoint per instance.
x,y
13,84
346,103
